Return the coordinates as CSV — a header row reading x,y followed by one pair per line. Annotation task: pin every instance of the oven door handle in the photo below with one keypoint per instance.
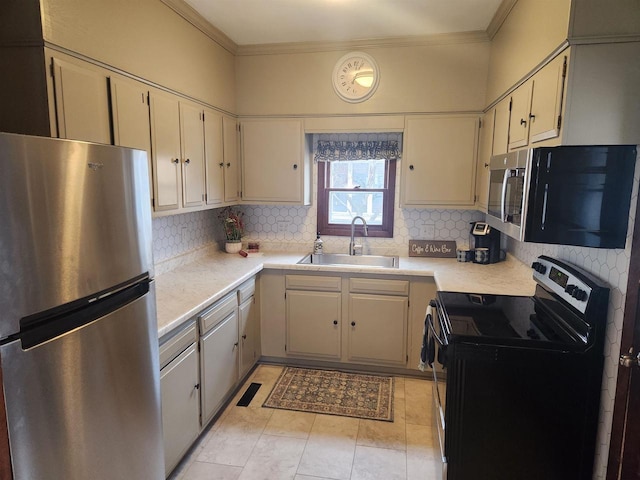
x,y
503,200
433,330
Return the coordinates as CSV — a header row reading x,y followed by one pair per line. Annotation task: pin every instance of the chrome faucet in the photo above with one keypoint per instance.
x,y
353,248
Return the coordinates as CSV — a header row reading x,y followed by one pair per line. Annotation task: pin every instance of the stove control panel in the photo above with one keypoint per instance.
x,y
562,280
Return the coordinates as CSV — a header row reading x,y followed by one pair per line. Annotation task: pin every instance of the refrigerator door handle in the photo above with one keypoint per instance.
x,y
44,326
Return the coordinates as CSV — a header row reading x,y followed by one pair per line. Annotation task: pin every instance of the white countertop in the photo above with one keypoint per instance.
x,y
188,289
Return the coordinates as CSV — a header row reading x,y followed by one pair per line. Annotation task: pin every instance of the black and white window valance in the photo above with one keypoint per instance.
x,y
357,146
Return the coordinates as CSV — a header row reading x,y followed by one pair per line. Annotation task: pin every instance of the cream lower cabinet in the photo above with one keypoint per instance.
x,y
377,323
439,161
179,386
219,350
249,327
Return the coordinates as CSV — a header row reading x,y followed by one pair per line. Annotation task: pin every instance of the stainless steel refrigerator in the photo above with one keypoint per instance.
x,y
78,333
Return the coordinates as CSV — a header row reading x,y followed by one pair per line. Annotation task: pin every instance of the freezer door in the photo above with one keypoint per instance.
x,y
76,220
86,404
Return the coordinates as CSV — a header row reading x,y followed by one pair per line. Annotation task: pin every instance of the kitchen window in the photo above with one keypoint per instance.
x,y
356,178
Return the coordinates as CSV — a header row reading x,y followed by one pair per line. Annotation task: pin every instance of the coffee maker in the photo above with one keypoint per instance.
x,y
485,236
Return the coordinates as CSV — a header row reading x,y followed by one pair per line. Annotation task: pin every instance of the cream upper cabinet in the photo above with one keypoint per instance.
x,y
546,103
165,141
221,152
130,113
485,149
502,117
439,161
82,103
177,139
519,121
536,106
275,166
192,149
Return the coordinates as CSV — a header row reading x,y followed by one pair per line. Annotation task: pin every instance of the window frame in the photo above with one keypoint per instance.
x,y
344,230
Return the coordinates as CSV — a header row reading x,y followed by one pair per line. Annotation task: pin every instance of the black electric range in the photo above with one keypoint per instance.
x,y
521,390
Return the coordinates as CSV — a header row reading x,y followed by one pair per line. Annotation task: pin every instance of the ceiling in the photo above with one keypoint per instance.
x,y
260,22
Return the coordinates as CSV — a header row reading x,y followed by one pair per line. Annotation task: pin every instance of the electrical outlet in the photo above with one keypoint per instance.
x,y
283,226
428,231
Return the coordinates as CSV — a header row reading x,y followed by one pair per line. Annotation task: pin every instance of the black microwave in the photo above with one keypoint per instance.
x,y
569,195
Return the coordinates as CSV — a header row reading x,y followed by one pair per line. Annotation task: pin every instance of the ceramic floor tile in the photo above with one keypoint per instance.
x,y
391,435
235,438
423,454
211,471
274,458
307,477
330,448
288,423
379,463
418,398
398,388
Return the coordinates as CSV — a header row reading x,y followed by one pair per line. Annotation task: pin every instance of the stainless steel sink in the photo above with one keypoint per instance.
x,y
355,260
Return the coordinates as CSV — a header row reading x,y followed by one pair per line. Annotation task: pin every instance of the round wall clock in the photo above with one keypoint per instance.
x,y
355,77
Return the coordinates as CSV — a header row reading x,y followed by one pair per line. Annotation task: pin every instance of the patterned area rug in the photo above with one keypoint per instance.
x,y
333,393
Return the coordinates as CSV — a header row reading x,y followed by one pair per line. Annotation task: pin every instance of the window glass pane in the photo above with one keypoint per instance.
x,y
343,206
359,173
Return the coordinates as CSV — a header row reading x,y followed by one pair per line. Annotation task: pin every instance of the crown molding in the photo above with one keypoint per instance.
x,y
408,41
198,21
499,17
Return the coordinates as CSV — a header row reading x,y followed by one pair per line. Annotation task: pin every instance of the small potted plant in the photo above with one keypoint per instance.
x,y
233,229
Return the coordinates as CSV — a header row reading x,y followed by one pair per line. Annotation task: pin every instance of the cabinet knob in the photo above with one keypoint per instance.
x,y
221,164
196,386
228,164
295,166
523,121
486,165
176,161
244,337
235,345
335,322
411,167
187,161
532,117
353,324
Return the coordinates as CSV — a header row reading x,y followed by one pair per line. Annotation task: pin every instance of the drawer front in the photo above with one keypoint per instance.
x,y
218,312
246,290
311,282
379,286
177,343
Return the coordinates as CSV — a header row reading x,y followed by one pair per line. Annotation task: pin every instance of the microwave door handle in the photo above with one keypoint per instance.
x,y
503,202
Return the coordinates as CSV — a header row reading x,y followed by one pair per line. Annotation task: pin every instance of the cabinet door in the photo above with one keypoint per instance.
x,y
180,406
192,141
248,335
546,104
439,161
82,103
484,158
130,113
272,161
231,164
519,121
502,117
213,150
313,323
165,141
218,364
378,329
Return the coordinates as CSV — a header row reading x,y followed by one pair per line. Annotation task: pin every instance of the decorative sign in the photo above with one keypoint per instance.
x,y
432,248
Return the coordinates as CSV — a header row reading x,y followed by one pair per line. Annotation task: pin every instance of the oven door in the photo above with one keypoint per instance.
x,y
436,357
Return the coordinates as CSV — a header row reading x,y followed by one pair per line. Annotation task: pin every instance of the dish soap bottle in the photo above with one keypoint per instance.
x,y
317,245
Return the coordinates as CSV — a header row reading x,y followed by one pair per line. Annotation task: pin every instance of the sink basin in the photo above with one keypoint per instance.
x,y
354,260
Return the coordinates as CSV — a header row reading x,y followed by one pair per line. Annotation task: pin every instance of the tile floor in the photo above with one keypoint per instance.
x,y
253,443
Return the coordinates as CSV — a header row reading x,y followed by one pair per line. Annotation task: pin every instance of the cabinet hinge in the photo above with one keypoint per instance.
x,y
51,69
564,67
480,123
285,347
148,99
559,121
285,295
510,103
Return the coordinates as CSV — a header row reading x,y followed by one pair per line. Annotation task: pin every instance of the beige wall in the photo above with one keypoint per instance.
x,y
413,79
148,39
531,32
